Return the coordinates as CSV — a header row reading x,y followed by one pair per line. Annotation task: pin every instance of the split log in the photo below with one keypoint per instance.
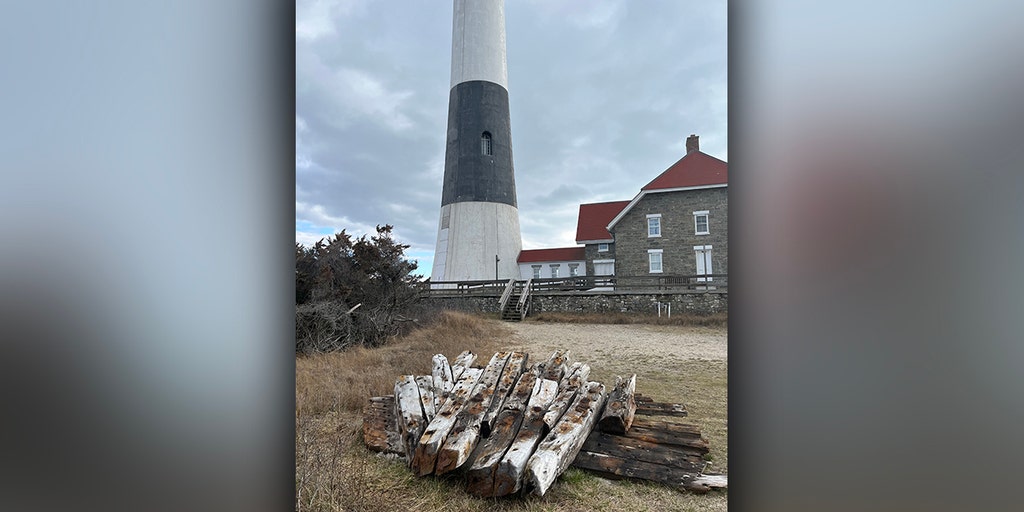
x,y
424,458
443,380
480,477
380,430
618,413
462,361
561,445
425,383
509,376
409,413
567,391
465,433
508,476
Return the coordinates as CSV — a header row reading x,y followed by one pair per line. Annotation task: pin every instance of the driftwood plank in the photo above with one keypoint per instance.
x,y
509,376
409,413
567,391
687,456
443,380
621,406
425,383
465,433
425,456
380,430
480,476
684,477
508,476
561,445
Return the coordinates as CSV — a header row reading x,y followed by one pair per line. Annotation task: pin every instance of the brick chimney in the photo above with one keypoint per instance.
x,y
692,144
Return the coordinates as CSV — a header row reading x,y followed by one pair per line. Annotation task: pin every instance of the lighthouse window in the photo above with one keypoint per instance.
x,y
485,144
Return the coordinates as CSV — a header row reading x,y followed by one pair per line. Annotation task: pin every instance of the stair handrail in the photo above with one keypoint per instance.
x,y
507,294
523,297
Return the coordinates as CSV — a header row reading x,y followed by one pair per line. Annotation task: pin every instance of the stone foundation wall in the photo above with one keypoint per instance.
x,y
598,302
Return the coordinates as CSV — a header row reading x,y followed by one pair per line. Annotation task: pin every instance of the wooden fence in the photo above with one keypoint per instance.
x,y
617,284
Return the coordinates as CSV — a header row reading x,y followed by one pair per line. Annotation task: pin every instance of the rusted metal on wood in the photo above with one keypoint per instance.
x,y
465,433
380,430
480,476
557,451
509,376
620,408
409,413
508,476
424,458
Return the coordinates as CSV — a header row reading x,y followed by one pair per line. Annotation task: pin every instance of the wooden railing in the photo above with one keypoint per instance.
x,y
506,295
624,284
524,299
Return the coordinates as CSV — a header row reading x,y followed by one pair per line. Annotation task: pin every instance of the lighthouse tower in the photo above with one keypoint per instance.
x,y
478,234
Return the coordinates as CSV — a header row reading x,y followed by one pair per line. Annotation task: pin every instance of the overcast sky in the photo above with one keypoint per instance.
x,y
602,95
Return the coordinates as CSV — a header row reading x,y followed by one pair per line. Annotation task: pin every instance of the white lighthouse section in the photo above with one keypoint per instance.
x,y
471,236
478,46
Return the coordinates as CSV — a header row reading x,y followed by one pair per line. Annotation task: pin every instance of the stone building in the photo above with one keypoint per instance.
x,y
677,224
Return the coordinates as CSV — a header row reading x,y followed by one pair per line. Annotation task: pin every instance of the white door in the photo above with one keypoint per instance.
x,y
703,254
603,268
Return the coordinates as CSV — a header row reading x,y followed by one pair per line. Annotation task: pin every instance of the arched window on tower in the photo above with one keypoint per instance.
x,y
485,144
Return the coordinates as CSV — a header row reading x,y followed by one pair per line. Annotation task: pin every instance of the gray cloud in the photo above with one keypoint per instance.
x,y
602,96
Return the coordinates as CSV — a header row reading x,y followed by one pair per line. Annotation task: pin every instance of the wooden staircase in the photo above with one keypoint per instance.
x,y
515,302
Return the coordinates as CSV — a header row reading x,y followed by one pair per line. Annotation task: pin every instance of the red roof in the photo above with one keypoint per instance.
x,y
695,169
594,219
557,254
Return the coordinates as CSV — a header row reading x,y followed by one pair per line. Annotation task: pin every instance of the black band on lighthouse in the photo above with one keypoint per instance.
x,y
474,108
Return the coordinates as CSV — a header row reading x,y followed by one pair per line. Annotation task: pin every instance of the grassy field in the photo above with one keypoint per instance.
x,y
334,470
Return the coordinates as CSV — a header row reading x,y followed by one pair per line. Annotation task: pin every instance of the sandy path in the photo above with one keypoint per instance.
x,y
671,343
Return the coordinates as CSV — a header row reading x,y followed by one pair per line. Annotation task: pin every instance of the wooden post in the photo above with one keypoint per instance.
x,y
567,390
508,476
409,413
509,376
425,383
425,456
561,445
462,361
619,411
465,433
480,477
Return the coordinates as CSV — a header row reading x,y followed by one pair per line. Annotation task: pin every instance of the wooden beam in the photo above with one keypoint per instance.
x,y
567,390
648,407
380,430
465,433
480,476
443,380
409,413
508,475
685,456
688,477
462,361
561,445
555,366
425,383
509,376
424,458
620,408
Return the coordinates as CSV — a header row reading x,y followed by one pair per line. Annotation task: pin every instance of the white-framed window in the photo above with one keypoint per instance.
x,y
703,256
700,222
485,144
554,269
574,269
653,225
536,271
602,247
654,260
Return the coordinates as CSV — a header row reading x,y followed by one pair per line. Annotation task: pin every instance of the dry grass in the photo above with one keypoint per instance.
x,y
686,319
335,471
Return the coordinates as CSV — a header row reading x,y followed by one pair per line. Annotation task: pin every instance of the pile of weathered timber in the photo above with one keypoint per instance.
x,y
510,426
